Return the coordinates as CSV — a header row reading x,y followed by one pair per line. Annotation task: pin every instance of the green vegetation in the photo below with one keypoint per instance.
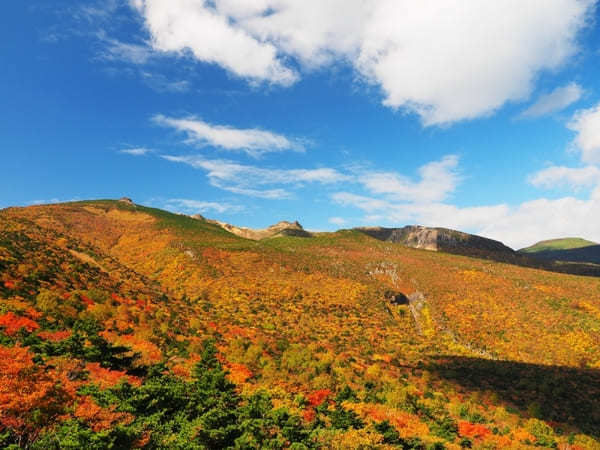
x,y
558,244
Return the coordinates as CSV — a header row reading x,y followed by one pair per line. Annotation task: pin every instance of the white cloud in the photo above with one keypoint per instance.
x,y
340,221
244,179
438,179
557,100
586,124
252,141
190,206
560,176
445,60
179,25
517,226
116,50
139,151
160,83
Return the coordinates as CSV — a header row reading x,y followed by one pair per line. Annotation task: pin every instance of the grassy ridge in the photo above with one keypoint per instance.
x,y
558,244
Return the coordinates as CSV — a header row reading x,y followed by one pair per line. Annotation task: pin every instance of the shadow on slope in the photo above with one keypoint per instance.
x,y
552,393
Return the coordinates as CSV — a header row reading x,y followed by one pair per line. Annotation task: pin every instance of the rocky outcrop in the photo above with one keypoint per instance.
x,y
283,228
440,239
126,200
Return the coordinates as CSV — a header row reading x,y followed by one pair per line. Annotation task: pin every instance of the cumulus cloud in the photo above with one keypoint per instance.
x,y
517,226
257,181
438,179
443,60
586,125
252,141
557,100
560,176
194,26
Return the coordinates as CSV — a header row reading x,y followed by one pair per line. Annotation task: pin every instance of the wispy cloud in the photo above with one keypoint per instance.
x,y
161,83
138,151
191,206
337,221
116,50
244,179
557,100
253,141
571,177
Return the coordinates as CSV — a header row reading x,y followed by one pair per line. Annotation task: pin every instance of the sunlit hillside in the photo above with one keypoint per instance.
x,y
127,326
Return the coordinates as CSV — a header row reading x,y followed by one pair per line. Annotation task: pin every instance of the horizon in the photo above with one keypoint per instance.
x,y
479,118
288,220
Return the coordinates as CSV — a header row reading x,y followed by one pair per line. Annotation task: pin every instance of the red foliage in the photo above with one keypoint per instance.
x,y
318,397
13,323
106,378
309,414
54,336
33,313
88,301
9,284
472,430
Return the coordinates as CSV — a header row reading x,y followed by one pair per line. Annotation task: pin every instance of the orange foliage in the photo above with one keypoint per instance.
x,y
27,390
472,430
238,373
99,418
13,323
106,378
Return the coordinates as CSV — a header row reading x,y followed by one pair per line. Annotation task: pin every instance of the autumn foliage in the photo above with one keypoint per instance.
x,y
125,326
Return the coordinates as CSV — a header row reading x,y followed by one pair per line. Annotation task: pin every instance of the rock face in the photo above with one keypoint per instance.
x,y
440,239
126,200
282,228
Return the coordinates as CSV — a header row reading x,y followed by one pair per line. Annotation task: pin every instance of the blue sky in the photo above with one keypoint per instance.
x,y
480,116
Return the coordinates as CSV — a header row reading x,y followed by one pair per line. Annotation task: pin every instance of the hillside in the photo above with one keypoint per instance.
x,y
128,326
566,249
577,261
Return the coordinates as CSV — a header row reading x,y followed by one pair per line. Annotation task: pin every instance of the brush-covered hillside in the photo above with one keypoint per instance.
x,y
123,326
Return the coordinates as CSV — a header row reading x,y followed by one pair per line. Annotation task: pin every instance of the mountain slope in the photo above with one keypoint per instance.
x,y
337,341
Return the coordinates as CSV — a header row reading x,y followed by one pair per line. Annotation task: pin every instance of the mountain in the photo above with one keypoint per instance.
x,y
439,239
282,228
565,249
123,326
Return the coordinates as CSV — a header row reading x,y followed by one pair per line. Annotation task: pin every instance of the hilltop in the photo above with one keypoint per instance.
x,y
130,326
440,239
565,249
